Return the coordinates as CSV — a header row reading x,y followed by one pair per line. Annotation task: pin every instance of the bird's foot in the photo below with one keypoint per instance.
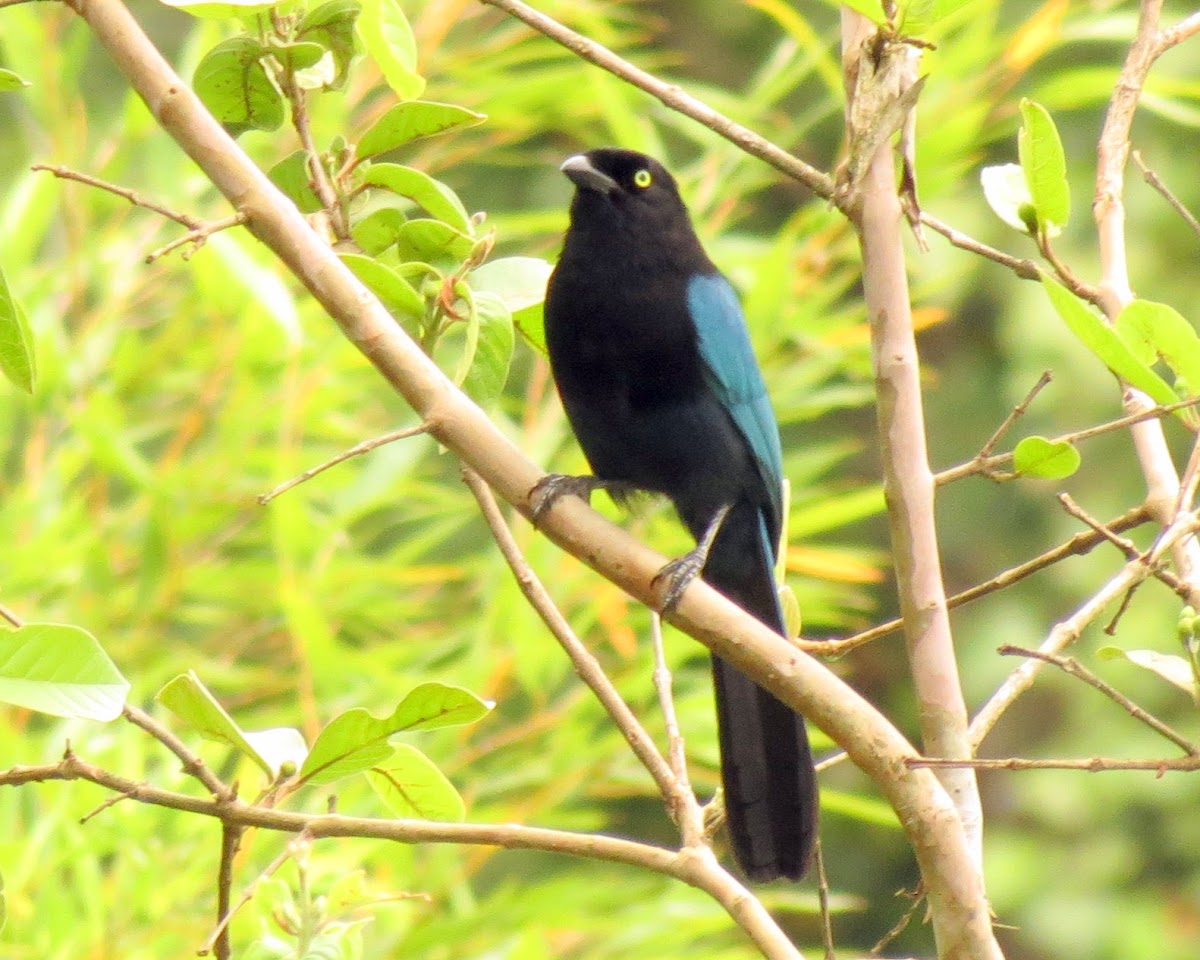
x,y
677,574
547,491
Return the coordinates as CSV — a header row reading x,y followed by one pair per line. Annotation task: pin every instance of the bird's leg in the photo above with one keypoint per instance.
x,y
680,572
545,492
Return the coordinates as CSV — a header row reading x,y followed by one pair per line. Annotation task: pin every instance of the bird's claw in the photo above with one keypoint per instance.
x,y
547,491
677,575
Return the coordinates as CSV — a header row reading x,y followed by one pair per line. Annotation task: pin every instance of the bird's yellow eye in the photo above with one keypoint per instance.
x,y
642,179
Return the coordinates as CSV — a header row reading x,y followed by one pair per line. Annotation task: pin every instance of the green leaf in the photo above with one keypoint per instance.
x,y
437,198
409,121
355,740
1039,457
917,16
1106,344
388,39
294,57
1175,670
483,367
394,292
332,25
291,176
413,787
1007,193
1045,166
1163,332
190,700
12,81
432,240
521,283
18,362
378,230
233,84
62,670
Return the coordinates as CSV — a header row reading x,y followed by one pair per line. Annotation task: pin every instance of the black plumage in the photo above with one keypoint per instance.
x,y
653,363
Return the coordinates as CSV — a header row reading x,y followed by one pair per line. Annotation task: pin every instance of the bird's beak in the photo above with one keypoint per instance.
x,y
580,171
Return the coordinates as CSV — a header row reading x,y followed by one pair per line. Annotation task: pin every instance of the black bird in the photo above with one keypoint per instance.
x,y
650,353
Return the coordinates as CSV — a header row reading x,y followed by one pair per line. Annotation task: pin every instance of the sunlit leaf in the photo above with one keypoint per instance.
x,y
431,240
17,359
437,198
291,175
233,83
378,230
355,740
1007,193
1175,670
189,699
1038,457
388,39
412,120
1164,333
1106,344
332,25
521,283
1045,166
412,786
483,367
11,81
60,669
394,292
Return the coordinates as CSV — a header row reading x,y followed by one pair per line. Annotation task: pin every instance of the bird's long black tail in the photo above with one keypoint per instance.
x,y
766,764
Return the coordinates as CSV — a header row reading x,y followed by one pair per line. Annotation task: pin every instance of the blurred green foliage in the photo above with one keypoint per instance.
x,y
170,395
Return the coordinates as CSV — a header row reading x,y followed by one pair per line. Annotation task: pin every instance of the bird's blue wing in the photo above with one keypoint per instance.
x,y
733,373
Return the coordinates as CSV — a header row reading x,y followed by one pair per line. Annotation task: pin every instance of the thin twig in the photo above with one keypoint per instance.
x,y
231,840
988,465
1076,669
1085,291
823,900
104,805
587,666
1078,545
1126,546
248,893
193,764
917,897
1068,631
689,817
1091,764
1156,182
11,617
1023,267
356,451
197,236
1014,415
1170,36
66,173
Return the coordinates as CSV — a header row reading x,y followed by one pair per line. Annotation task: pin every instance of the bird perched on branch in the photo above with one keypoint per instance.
x,y
653,362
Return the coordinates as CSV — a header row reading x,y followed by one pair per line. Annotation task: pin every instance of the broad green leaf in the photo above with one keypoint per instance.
x,y
388,39
394,292
1007,193
297,56
432,240
483,367
1164,333
414,788
1038,457
222,9
355,740
60,669
332,25
1175,670
1045,166
291,175
18,362
521,283
436,198
917,16
192,702
411,120
11,81
378,230
233,84
1106,344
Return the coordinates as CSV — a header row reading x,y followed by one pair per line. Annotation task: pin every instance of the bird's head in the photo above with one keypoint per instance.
x,y
623,194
